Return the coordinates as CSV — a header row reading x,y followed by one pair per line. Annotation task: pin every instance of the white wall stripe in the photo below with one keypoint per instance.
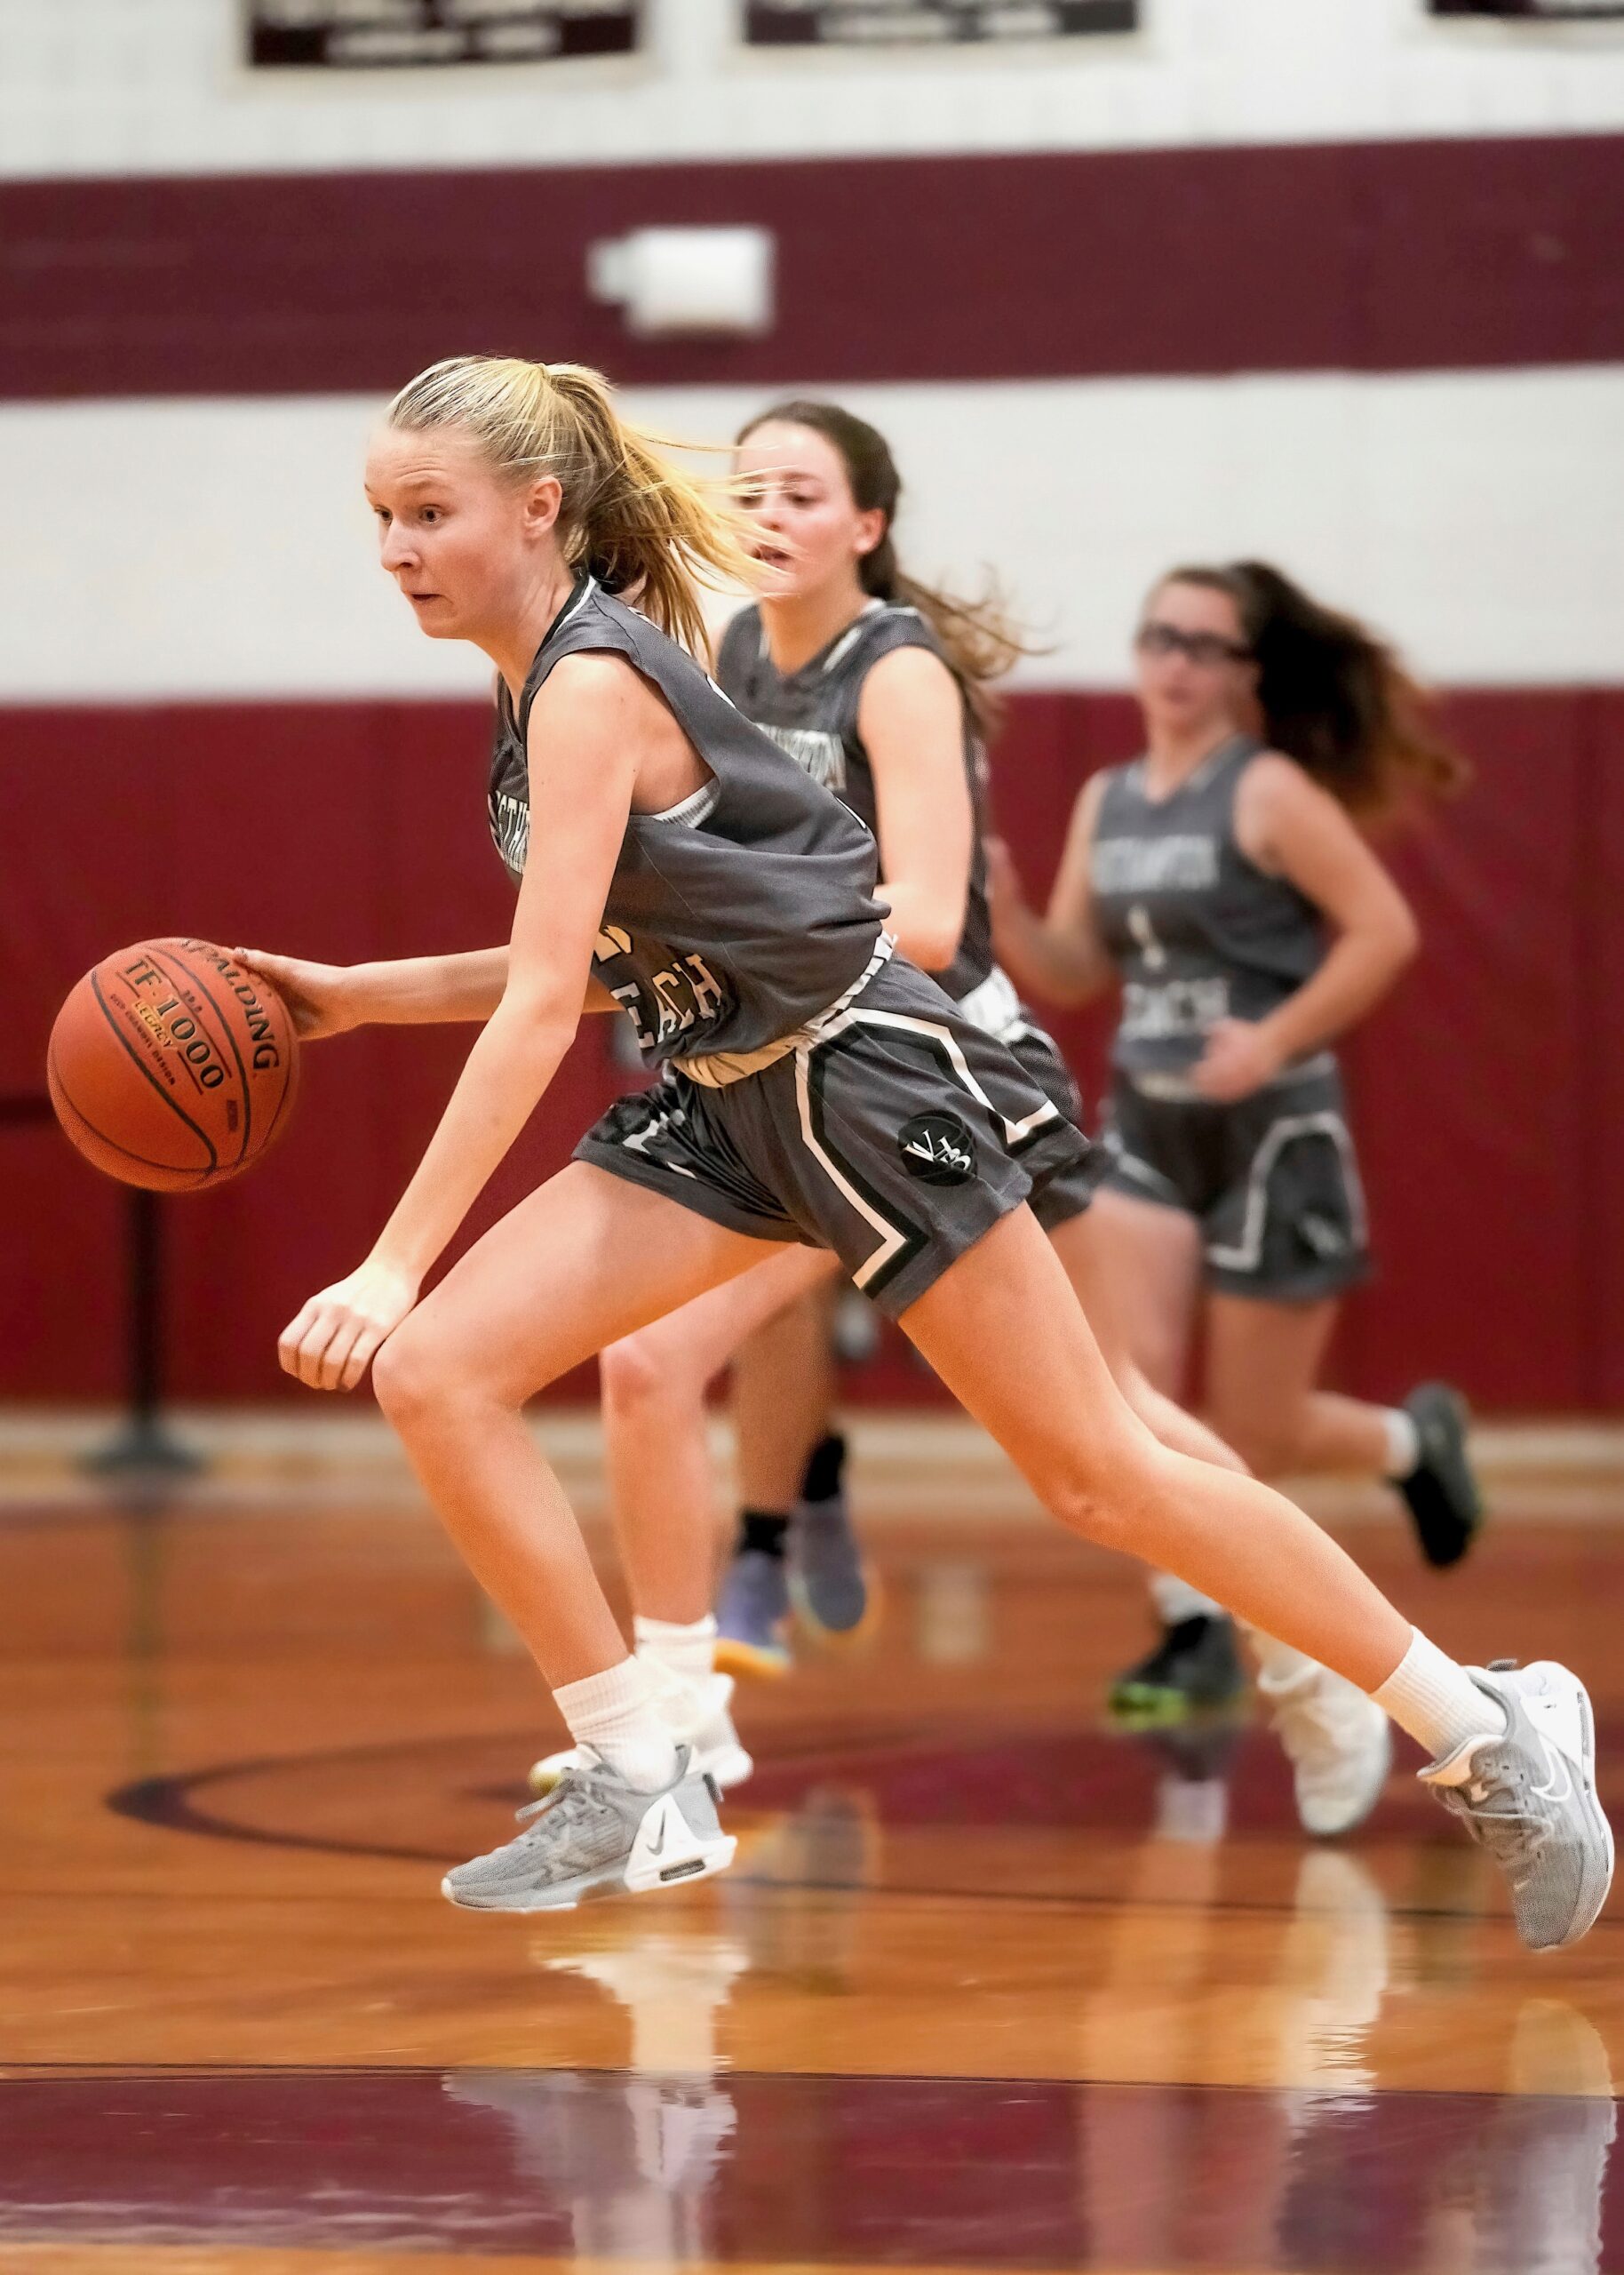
x,y
224,549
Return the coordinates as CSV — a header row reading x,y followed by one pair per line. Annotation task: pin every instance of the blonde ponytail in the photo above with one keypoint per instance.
x,y
639,525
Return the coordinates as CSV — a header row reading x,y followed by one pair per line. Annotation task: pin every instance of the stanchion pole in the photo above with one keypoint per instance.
x,y
145,1446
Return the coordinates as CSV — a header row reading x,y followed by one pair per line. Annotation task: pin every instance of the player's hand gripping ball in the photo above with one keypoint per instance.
x,y
172,1066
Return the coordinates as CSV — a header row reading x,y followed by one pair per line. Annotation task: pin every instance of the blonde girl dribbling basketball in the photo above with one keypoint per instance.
x,y
671,858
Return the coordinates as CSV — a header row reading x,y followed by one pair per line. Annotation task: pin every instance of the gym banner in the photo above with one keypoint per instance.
x,y
1548,11
371,35
920,23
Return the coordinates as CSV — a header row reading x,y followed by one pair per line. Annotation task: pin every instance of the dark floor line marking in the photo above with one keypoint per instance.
x,y
167,1804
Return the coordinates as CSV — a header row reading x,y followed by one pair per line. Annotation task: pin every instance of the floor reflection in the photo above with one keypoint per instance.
x,y
681,2170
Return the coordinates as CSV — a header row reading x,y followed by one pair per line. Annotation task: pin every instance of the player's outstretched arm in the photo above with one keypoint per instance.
x,y
329,999
406,991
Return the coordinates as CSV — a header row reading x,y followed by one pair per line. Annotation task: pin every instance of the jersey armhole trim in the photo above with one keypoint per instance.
x,y
696,808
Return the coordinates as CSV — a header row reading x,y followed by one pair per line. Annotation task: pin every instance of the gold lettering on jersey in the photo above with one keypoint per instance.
x,y
709,995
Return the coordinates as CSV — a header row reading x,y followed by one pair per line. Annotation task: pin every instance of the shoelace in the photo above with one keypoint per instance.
x,y
577,1788
1510,1835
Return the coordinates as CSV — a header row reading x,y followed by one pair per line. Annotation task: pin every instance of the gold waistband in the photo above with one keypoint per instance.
x,y
715,1070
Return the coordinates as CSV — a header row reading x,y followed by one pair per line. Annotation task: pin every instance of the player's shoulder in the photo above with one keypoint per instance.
x,y
590,676
1123,778
1098,786
1270,782
885,627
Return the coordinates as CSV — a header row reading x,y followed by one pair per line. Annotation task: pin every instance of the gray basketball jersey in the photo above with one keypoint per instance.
x,y
732,918
1198,932
813,714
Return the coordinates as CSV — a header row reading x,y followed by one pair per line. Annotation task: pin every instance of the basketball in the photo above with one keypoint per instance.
x,y
173,1067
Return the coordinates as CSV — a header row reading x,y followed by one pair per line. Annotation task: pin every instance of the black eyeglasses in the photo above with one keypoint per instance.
x,y
1210,648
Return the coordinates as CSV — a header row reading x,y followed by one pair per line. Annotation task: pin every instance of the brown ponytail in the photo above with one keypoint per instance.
x,y
640,525
977,639
1333,696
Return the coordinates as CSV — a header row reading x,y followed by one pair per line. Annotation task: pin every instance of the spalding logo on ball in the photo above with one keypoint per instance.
x,y
171,1065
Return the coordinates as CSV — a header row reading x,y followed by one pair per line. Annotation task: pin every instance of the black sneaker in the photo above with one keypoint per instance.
x,y
1194,1668
1444,1503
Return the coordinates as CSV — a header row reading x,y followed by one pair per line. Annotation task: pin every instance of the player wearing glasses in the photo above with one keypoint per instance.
x,y
1222,882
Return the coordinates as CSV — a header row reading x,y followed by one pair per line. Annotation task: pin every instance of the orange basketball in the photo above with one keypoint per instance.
x,y
173,1067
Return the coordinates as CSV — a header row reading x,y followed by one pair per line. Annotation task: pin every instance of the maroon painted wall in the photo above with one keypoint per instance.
x,y
1376,256
1485,1092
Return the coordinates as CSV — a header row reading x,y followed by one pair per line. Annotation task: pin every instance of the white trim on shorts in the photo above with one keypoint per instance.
x,y
828,1030
1247,1254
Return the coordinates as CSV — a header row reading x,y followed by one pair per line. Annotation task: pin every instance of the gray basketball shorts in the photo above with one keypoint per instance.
x,y
896,1134
1068,1193
1272,1180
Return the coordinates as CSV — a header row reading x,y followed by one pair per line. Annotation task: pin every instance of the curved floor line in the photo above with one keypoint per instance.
x,y
168,1803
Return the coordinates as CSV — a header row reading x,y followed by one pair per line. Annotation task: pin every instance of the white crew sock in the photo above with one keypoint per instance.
x,y
1279,1666
615,1713
1437,1701
1176,1600
1404,1445
688,1651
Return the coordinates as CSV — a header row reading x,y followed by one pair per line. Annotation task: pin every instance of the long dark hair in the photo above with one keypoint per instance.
x,y
978,640
1333,696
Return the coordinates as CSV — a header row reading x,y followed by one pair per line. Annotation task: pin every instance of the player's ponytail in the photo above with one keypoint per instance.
x,y
1333,695
643,527
978,641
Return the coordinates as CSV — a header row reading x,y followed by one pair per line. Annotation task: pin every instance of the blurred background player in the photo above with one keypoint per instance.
x,y
1222,880
878,689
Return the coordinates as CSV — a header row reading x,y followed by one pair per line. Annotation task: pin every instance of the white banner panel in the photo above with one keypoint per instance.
x,y
915,23
373,35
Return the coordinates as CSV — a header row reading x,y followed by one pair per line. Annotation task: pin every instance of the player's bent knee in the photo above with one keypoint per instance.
x,y
411,1377
1104,1499
645,1370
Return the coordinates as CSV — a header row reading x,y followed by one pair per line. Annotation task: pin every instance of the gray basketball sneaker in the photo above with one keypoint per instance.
x,y
595,1835
1528,1796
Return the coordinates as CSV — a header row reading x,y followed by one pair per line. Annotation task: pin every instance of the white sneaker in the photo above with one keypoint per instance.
x,y
1338,1743
698,1717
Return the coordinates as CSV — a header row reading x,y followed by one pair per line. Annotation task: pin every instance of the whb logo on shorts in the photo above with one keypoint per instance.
x,y
937,1149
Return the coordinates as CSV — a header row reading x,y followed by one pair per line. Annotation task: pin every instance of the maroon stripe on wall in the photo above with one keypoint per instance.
x,y
1384,256
1486,1099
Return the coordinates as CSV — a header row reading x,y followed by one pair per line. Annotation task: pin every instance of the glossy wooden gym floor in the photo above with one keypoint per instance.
x,y
989,1986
